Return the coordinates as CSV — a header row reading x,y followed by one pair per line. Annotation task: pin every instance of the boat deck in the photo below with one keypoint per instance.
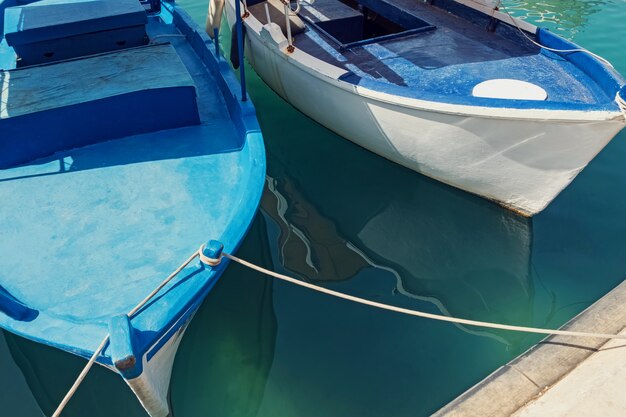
x,y
449,60
85,234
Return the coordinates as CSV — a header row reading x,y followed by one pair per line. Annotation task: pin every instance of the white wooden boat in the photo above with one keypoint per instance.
x,y
454,89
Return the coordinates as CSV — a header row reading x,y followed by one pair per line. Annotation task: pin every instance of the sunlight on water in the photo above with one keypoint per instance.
x,y
335,214
568,17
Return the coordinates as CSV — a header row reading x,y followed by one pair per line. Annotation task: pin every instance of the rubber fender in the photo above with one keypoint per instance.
x,y
234,55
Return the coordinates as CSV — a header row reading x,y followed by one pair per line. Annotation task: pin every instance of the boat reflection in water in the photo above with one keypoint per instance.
x,y
430,243
266,348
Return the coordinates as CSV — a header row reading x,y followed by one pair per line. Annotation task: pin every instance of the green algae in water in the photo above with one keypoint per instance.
x,y
339,216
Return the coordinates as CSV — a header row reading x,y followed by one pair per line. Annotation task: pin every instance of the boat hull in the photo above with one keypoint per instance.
x,y
134,238
152,386
521,159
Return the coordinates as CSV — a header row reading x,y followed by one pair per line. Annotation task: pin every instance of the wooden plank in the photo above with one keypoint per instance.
x,y
45,87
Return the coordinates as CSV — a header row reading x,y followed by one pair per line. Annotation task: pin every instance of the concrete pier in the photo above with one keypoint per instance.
x,y
597,387
560,376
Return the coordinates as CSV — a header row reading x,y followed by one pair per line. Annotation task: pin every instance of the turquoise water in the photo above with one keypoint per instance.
x,y
342,217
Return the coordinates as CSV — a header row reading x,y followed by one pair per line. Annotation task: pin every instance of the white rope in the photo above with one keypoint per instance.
x,y
205,259
216,261
500,6
80,378
420,313
99,349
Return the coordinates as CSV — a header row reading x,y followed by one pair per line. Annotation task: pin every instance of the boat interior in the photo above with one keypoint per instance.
x,y
133,109
439,49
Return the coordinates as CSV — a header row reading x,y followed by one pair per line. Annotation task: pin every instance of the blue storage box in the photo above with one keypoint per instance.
x,y
51,30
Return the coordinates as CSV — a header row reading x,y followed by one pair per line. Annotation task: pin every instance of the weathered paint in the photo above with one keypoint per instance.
x,y
87,233
518,153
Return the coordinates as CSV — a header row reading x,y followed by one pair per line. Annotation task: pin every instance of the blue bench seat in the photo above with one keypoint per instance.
x,y
49,108
51,30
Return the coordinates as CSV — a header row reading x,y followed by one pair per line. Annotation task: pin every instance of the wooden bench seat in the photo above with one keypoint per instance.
x,y
53,30
48,108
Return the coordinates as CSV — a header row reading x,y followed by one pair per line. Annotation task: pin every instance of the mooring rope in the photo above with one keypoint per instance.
x,y
500,6
100,347
416,313
216,261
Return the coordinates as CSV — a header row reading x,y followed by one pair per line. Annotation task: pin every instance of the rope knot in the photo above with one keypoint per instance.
x,y
211,253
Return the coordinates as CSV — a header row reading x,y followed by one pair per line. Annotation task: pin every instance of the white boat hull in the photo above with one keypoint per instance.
x,y
521,159
152,386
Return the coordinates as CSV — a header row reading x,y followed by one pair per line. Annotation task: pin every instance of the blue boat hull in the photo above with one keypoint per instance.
x,y
107,189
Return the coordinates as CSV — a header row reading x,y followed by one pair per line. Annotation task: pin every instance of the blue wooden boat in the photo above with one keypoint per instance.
x,y
457,90
124,145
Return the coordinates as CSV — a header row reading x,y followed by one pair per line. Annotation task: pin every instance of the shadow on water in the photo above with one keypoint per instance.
x,y
430,242
41,375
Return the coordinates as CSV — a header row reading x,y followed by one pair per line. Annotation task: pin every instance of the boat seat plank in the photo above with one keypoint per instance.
x,y
54,19
53,30
117,94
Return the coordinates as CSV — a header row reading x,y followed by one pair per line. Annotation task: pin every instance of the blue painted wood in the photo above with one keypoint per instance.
x,y
391,11
54,19
598,71
53,30
242,114
15,309
80,45
125,87
109,221
213,249
121,347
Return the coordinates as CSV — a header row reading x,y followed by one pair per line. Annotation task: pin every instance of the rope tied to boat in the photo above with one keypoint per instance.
x,y
416,313
213,255
208,260
105,341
